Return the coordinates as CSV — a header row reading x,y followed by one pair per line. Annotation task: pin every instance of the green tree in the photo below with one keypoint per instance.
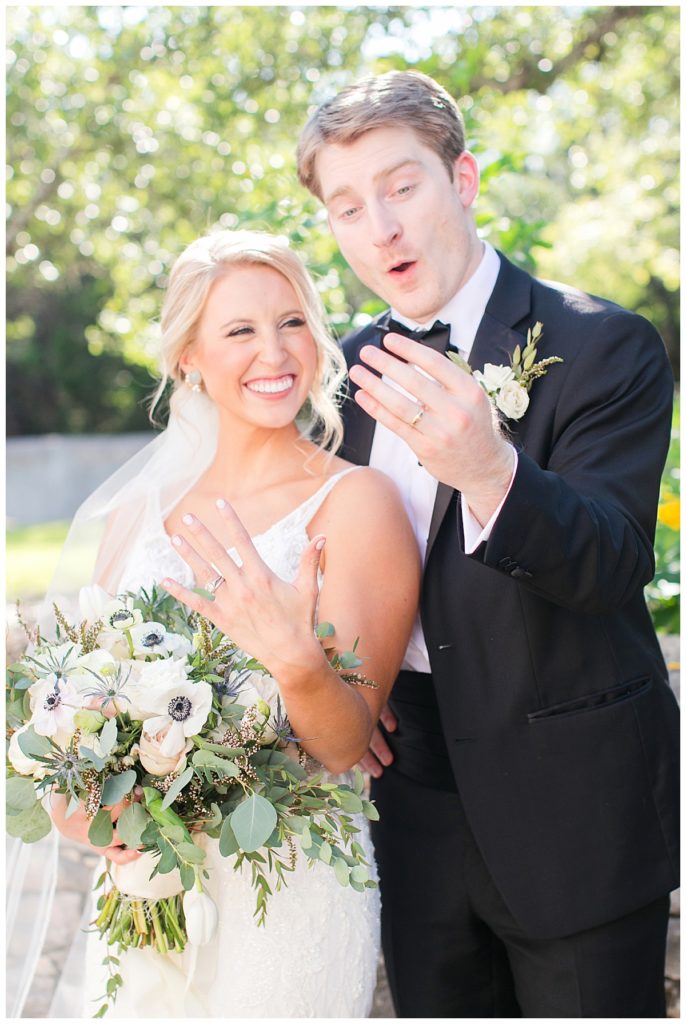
x,y
131,130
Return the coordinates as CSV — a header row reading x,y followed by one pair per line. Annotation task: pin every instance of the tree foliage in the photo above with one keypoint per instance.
x,y
132,130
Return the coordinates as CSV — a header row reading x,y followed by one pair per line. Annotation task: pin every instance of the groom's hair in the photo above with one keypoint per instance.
x,y
405,99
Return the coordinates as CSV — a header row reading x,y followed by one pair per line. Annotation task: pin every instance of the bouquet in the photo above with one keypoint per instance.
x,y
147,704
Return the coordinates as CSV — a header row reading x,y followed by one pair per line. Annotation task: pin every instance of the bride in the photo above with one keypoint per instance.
x,y
237,496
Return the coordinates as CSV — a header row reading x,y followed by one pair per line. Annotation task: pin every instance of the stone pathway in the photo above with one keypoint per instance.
x,y
76,867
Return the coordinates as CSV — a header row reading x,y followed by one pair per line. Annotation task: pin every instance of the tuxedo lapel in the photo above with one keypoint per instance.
x,y
359,425
495,340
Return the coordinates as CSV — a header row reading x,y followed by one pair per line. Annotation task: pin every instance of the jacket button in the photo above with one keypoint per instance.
x,y
506,563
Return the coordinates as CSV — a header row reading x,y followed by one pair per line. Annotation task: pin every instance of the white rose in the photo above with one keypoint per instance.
x,y
20,761
494,377
512,400
154,761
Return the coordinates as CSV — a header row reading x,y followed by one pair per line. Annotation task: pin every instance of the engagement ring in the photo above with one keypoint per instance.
x,y
215,584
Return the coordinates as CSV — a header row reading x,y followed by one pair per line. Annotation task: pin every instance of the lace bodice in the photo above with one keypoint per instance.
x,y
281,546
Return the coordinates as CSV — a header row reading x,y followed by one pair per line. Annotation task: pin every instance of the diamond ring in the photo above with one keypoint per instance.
x,y
214,585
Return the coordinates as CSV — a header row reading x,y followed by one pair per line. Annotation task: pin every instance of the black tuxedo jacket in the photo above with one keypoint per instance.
x,y
561,728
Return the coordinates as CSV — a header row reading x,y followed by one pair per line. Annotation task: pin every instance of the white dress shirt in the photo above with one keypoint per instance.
x,y
396,459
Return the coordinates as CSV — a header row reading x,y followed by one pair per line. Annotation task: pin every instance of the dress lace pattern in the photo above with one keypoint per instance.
x,y
316,955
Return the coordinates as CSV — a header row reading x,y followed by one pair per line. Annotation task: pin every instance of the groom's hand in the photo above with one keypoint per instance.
x,y
379,755
443,414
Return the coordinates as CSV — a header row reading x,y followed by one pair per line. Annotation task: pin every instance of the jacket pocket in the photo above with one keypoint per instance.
x,y
593,701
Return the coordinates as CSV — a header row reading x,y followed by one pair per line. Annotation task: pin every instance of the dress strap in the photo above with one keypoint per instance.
x,y
302,515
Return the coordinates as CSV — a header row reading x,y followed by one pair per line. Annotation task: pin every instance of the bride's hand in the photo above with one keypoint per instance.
x,y
76,826
270,619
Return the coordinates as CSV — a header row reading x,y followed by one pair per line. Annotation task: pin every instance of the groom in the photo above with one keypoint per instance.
x,y
526,773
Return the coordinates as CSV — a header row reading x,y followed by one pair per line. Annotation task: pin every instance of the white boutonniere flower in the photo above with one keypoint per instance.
x,y
508,386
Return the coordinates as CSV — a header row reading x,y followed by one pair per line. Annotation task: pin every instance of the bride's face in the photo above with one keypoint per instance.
x,y
253,347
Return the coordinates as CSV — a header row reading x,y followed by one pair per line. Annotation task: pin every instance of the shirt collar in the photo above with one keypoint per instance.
x,y
464,312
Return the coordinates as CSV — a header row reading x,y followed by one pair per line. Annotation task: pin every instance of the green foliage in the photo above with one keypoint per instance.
x,y
664,593
132,130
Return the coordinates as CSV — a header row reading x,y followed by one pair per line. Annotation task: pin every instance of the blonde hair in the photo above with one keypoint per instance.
x,y
191,278
406,99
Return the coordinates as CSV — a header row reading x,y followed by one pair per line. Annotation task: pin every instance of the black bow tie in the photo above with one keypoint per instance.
x,y
436,337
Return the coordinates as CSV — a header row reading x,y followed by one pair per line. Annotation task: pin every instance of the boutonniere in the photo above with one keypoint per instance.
x,y
508,386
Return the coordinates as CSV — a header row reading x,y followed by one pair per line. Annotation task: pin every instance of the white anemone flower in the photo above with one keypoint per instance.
x,y
182,711
54,702
152,638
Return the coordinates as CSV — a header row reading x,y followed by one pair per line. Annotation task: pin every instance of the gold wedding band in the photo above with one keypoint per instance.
x,y
417,416
214,585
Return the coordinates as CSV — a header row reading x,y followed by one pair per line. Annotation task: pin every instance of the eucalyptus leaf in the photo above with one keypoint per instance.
x,y
32,744
187,872
305,837
176,787
117,786
350,660
358,781
101,829
370,810
220,765
95,759
228,843
253,822
108,735
359,874
325,629
131,823
167,861
191,853
325,853
350,801
23,683
174,832
342,871
20,794
31,824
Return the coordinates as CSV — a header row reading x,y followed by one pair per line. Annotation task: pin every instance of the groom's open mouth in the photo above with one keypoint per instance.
x,y
401,269
271,387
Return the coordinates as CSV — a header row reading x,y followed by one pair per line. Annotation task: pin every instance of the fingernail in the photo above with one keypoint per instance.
x,y
177,541
320,543
188,519
220,503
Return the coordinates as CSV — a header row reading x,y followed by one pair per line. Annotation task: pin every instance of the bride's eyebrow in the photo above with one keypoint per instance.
x,y
247,320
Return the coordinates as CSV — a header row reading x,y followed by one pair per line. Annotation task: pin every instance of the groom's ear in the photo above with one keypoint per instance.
x,y
466,178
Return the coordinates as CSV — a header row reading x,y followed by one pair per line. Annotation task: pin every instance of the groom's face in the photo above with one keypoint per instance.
x,y
403,225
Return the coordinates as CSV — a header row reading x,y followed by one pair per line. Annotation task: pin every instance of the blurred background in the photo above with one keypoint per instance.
x,y
132,130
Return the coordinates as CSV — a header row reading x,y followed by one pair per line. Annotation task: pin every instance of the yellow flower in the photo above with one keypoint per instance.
x,y
669,513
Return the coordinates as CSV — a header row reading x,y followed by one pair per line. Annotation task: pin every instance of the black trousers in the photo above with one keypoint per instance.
x,y
453,949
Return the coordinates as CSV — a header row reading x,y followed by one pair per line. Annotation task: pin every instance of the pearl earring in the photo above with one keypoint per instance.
x,y
194,380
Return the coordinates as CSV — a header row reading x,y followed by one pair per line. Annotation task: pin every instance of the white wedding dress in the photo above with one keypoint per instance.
x,y
316,955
